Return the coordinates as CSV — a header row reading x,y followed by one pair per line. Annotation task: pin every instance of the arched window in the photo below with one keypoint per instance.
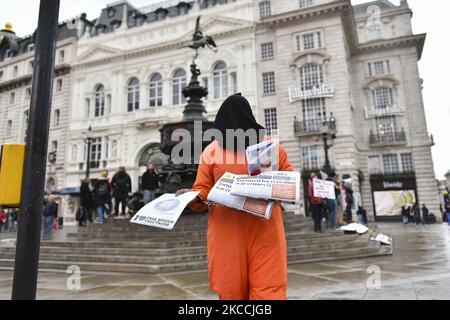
x,y
133,95
265,9
178,84
382,98
220,76
156,90
311,76
99,101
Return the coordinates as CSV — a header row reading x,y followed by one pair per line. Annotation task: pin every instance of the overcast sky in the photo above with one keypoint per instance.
x,y
429,16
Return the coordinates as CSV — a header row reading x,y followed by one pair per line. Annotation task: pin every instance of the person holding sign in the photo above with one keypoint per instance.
x,y
247,256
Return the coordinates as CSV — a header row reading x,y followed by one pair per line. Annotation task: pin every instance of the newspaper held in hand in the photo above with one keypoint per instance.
x,y
221,194
262,157
164,211
281,186
324,189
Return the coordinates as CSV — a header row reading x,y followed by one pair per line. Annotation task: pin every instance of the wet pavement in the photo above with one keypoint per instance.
x,y
419,269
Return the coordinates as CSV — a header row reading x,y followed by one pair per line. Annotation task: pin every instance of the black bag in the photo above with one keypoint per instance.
x,y
78,214
432,218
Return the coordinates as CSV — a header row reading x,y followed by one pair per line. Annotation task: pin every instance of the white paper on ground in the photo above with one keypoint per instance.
x,y
164,211
355,227
221,194
276,185
382,238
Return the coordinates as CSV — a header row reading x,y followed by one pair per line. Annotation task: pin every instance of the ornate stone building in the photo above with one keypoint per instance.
x,y
308,67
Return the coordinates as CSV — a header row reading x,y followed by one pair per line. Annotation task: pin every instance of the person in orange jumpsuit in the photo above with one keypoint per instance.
x,y
247,256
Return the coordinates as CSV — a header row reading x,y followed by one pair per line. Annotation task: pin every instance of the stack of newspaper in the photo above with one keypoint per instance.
x,y
255,193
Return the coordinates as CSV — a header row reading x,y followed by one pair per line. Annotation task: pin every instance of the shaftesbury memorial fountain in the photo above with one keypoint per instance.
x,y
193,125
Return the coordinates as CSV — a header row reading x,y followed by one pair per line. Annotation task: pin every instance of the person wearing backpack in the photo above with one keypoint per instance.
x,y
102,195
121,184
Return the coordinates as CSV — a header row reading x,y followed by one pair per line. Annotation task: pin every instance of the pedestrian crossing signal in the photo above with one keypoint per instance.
x,y
11,172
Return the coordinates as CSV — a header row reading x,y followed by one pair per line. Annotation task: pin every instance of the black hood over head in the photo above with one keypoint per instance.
x,y
236,113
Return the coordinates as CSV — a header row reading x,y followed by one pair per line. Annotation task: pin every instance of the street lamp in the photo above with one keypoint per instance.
x,y
328,132
88,158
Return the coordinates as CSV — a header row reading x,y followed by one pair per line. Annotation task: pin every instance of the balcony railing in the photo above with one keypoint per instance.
x,y
320,91
388,138
313,127
391,110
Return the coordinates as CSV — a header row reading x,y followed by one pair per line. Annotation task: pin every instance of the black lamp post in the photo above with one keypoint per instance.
x,y
88,159
329,132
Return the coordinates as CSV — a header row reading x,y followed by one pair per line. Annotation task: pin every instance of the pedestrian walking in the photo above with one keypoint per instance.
x,y
121,184
405,214
150,183
315,205
13,216
85,203
349,200
447,210
3,219
50,213
102,191
425,214
416,213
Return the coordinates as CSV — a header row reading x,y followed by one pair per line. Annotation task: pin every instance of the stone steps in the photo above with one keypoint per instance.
x,y
121,267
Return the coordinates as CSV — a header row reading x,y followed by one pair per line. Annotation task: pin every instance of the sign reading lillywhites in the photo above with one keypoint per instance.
x,y
324,189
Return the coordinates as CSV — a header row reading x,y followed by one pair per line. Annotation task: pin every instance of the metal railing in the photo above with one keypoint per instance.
x,y
312,127
388,138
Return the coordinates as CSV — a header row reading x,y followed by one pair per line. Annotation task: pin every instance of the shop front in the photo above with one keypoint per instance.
x,y
390,194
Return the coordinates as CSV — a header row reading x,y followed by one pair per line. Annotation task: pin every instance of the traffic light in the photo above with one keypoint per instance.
x,y
11,171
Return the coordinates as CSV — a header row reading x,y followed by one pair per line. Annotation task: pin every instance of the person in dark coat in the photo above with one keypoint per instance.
x,y
50,212
425,214
85,202
121,184
405,214
416,213
150,183
102,191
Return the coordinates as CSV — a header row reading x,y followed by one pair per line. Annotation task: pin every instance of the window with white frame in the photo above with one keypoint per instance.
x,y
309,41
55,148
15,71
267,50
12,98
178,84
386,127
407,162
374,164
56,118
310,158
379,68
265,9
382,98
220,79
156,90
25,125
269,82
314,113
311,76
99,110
133,95
74,156
61,56
9,128
96,153
59,85
390,163
270,121
305,3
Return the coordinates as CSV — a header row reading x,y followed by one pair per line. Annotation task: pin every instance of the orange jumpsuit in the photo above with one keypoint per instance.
x,y
247,256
